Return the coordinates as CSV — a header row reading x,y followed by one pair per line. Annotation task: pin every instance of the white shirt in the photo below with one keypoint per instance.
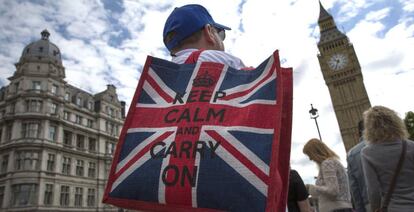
x,y
210,56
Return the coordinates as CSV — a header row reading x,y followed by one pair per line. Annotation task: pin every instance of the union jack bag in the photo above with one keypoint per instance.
x,y
205,137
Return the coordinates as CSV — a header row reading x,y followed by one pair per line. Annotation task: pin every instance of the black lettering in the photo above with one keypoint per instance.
x,y
195,130
185,115
153,155
191,95
195,118
212,113
180,131
213,148
174,172
190,177
185,148
205,96
178,97
172,150
187,130
218,95
199,149
166,119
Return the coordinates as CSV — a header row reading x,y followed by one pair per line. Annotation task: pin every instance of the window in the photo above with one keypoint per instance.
x,y
51,162
66,165
55,89
36,85
13,107
91,197
48,200
79,101
92,169
110,128
109,147
1,196
24,194
66,115
16,87
92,145
52,132
67,96
67,138
80,141
1,133
4,164
78,196
90,105
79,167
30,130
27,160
89,123
53,108
9,131
78,119
64,195
33,105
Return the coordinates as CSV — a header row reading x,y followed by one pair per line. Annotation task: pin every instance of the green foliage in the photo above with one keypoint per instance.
x,y
409,123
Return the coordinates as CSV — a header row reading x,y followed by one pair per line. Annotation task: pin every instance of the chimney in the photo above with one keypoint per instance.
x,y
123,109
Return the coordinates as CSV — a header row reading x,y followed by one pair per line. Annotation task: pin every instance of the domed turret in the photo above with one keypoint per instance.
x,y
42,50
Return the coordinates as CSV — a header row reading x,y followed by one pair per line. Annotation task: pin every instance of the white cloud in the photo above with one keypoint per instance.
x,y
377,15
83,29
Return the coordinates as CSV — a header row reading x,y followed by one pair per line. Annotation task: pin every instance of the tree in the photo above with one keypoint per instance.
x,y
409,123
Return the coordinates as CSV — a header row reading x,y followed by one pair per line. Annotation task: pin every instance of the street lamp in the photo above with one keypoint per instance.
x,y
313,112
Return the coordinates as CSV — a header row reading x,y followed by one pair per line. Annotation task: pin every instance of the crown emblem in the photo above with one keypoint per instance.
x,y
204,80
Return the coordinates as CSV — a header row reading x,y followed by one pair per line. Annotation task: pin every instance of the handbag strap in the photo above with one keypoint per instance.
x,y
394,177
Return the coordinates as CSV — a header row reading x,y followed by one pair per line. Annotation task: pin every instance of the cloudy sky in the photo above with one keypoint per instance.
x,y
106,42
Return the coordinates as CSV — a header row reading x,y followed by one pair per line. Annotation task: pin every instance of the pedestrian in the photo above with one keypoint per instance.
x,y
356,174
191,35
388,144
331,187
298,195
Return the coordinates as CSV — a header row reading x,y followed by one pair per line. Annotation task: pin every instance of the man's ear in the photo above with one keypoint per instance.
x,y
208,32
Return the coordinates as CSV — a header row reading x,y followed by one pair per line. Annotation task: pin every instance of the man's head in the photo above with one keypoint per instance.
x,y
191,26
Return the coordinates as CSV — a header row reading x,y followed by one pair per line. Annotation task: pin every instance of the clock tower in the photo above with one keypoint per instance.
x,y
343,76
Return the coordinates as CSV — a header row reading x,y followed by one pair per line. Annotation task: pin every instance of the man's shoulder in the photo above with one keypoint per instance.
x,y
221,57
356,149
210,56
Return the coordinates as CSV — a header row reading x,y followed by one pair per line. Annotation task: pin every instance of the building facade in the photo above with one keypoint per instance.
x,y
342,73
56,140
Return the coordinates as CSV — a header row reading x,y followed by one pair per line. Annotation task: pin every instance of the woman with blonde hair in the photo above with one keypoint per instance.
x,y
387,136
331,187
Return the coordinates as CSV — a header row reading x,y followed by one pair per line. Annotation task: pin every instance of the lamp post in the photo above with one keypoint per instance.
x,y
313,112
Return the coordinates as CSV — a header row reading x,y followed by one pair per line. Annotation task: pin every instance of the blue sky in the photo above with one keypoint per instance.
x,y
106,42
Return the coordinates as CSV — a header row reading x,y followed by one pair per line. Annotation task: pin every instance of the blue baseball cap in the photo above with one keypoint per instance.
x,y
185,21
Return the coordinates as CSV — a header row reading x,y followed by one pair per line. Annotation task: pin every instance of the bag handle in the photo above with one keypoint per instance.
x,y
394,177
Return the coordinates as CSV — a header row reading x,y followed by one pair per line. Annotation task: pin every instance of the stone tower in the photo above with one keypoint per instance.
x,y
342,73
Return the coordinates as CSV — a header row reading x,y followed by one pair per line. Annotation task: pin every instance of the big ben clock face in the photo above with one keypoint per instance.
x,y
337,61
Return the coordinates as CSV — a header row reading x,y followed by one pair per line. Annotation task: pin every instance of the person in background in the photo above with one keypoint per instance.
x,y
356,174
331,187
191,32
385,133
298,195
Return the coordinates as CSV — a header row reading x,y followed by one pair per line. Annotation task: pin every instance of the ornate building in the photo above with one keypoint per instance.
x,y
56,140
343,76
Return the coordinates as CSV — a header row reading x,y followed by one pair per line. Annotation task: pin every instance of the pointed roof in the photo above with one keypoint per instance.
x,y
323,14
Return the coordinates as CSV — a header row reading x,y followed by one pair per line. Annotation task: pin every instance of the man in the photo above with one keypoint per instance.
x,y
356,174
298,195
191,28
